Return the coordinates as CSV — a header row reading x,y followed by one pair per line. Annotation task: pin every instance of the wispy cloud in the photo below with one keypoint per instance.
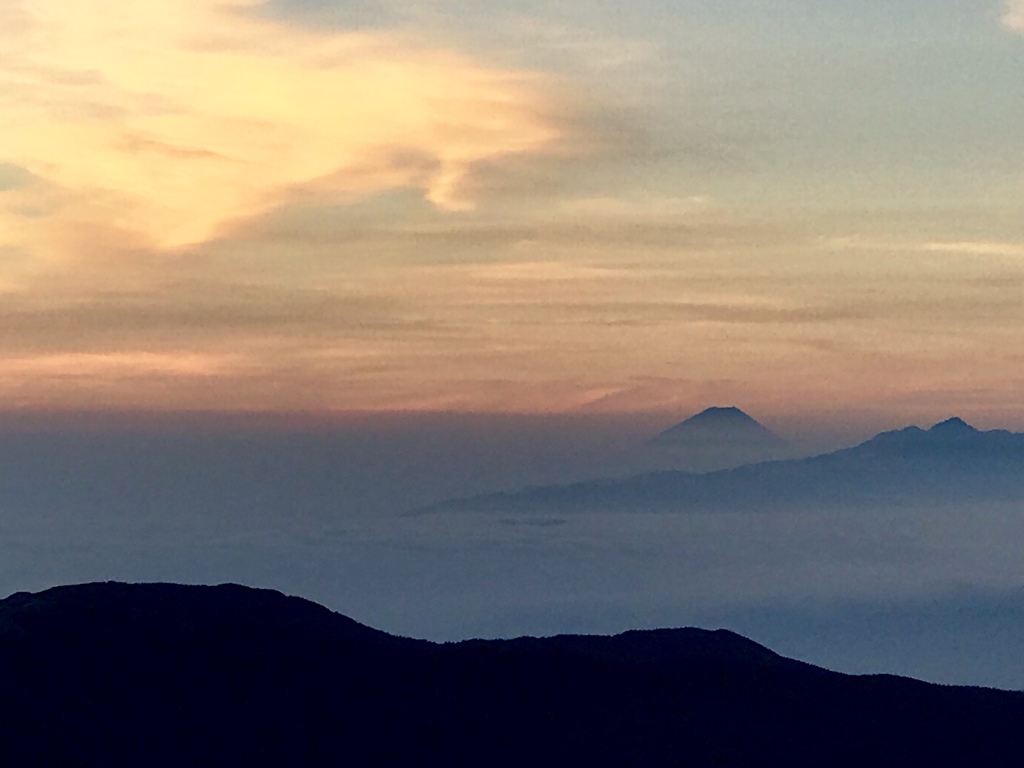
x,y
545,271
164,122
953,247
1013,17
125,363
978,248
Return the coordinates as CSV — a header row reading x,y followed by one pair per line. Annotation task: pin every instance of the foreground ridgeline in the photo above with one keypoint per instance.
x,y
150,675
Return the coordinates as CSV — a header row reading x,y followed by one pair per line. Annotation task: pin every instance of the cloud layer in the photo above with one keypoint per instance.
x,y
164,121
275,205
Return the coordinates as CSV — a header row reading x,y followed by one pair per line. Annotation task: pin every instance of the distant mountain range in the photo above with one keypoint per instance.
x,y
167,675
951,462
719,438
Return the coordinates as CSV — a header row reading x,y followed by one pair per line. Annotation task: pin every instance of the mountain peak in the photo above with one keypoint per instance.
x,y
722,430
953,426
728,420
722,414
953,434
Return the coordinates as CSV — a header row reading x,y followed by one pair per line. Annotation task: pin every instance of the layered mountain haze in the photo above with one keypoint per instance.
x,y
949,462
162,674
899,555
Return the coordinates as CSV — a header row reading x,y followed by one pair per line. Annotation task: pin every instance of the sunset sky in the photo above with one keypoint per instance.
x,y
364,205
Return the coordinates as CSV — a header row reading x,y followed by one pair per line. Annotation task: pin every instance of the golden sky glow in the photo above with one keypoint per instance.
x,y
237,205
168,119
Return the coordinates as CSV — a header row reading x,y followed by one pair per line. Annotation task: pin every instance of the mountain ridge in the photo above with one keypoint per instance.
x,y
950,460
155,674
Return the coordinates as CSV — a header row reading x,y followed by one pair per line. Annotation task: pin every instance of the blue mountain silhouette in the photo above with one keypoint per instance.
x,y
718,424
950,462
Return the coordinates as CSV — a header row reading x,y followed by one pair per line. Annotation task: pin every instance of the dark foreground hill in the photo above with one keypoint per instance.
x,y
952,462
151,675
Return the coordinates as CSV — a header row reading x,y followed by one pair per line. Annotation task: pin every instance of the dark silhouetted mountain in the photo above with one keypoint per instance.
x,y
155,675
717,423
951,462
719,438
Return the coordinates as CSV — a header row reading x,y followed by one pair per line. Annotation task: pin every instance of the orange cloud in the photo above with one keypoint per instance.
x,y
162,121
82,364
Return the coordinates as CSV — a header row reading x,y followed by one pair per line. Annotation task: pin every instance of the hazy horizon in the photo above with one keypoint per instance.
x,y
931,591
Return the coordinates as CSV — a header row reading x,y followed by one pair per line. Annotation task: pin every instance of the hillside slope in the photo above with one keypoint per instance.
x,y
129,675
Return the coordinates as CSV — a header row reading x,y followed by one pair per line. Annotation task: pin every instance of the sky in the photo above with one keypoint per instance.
x,y
809,208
